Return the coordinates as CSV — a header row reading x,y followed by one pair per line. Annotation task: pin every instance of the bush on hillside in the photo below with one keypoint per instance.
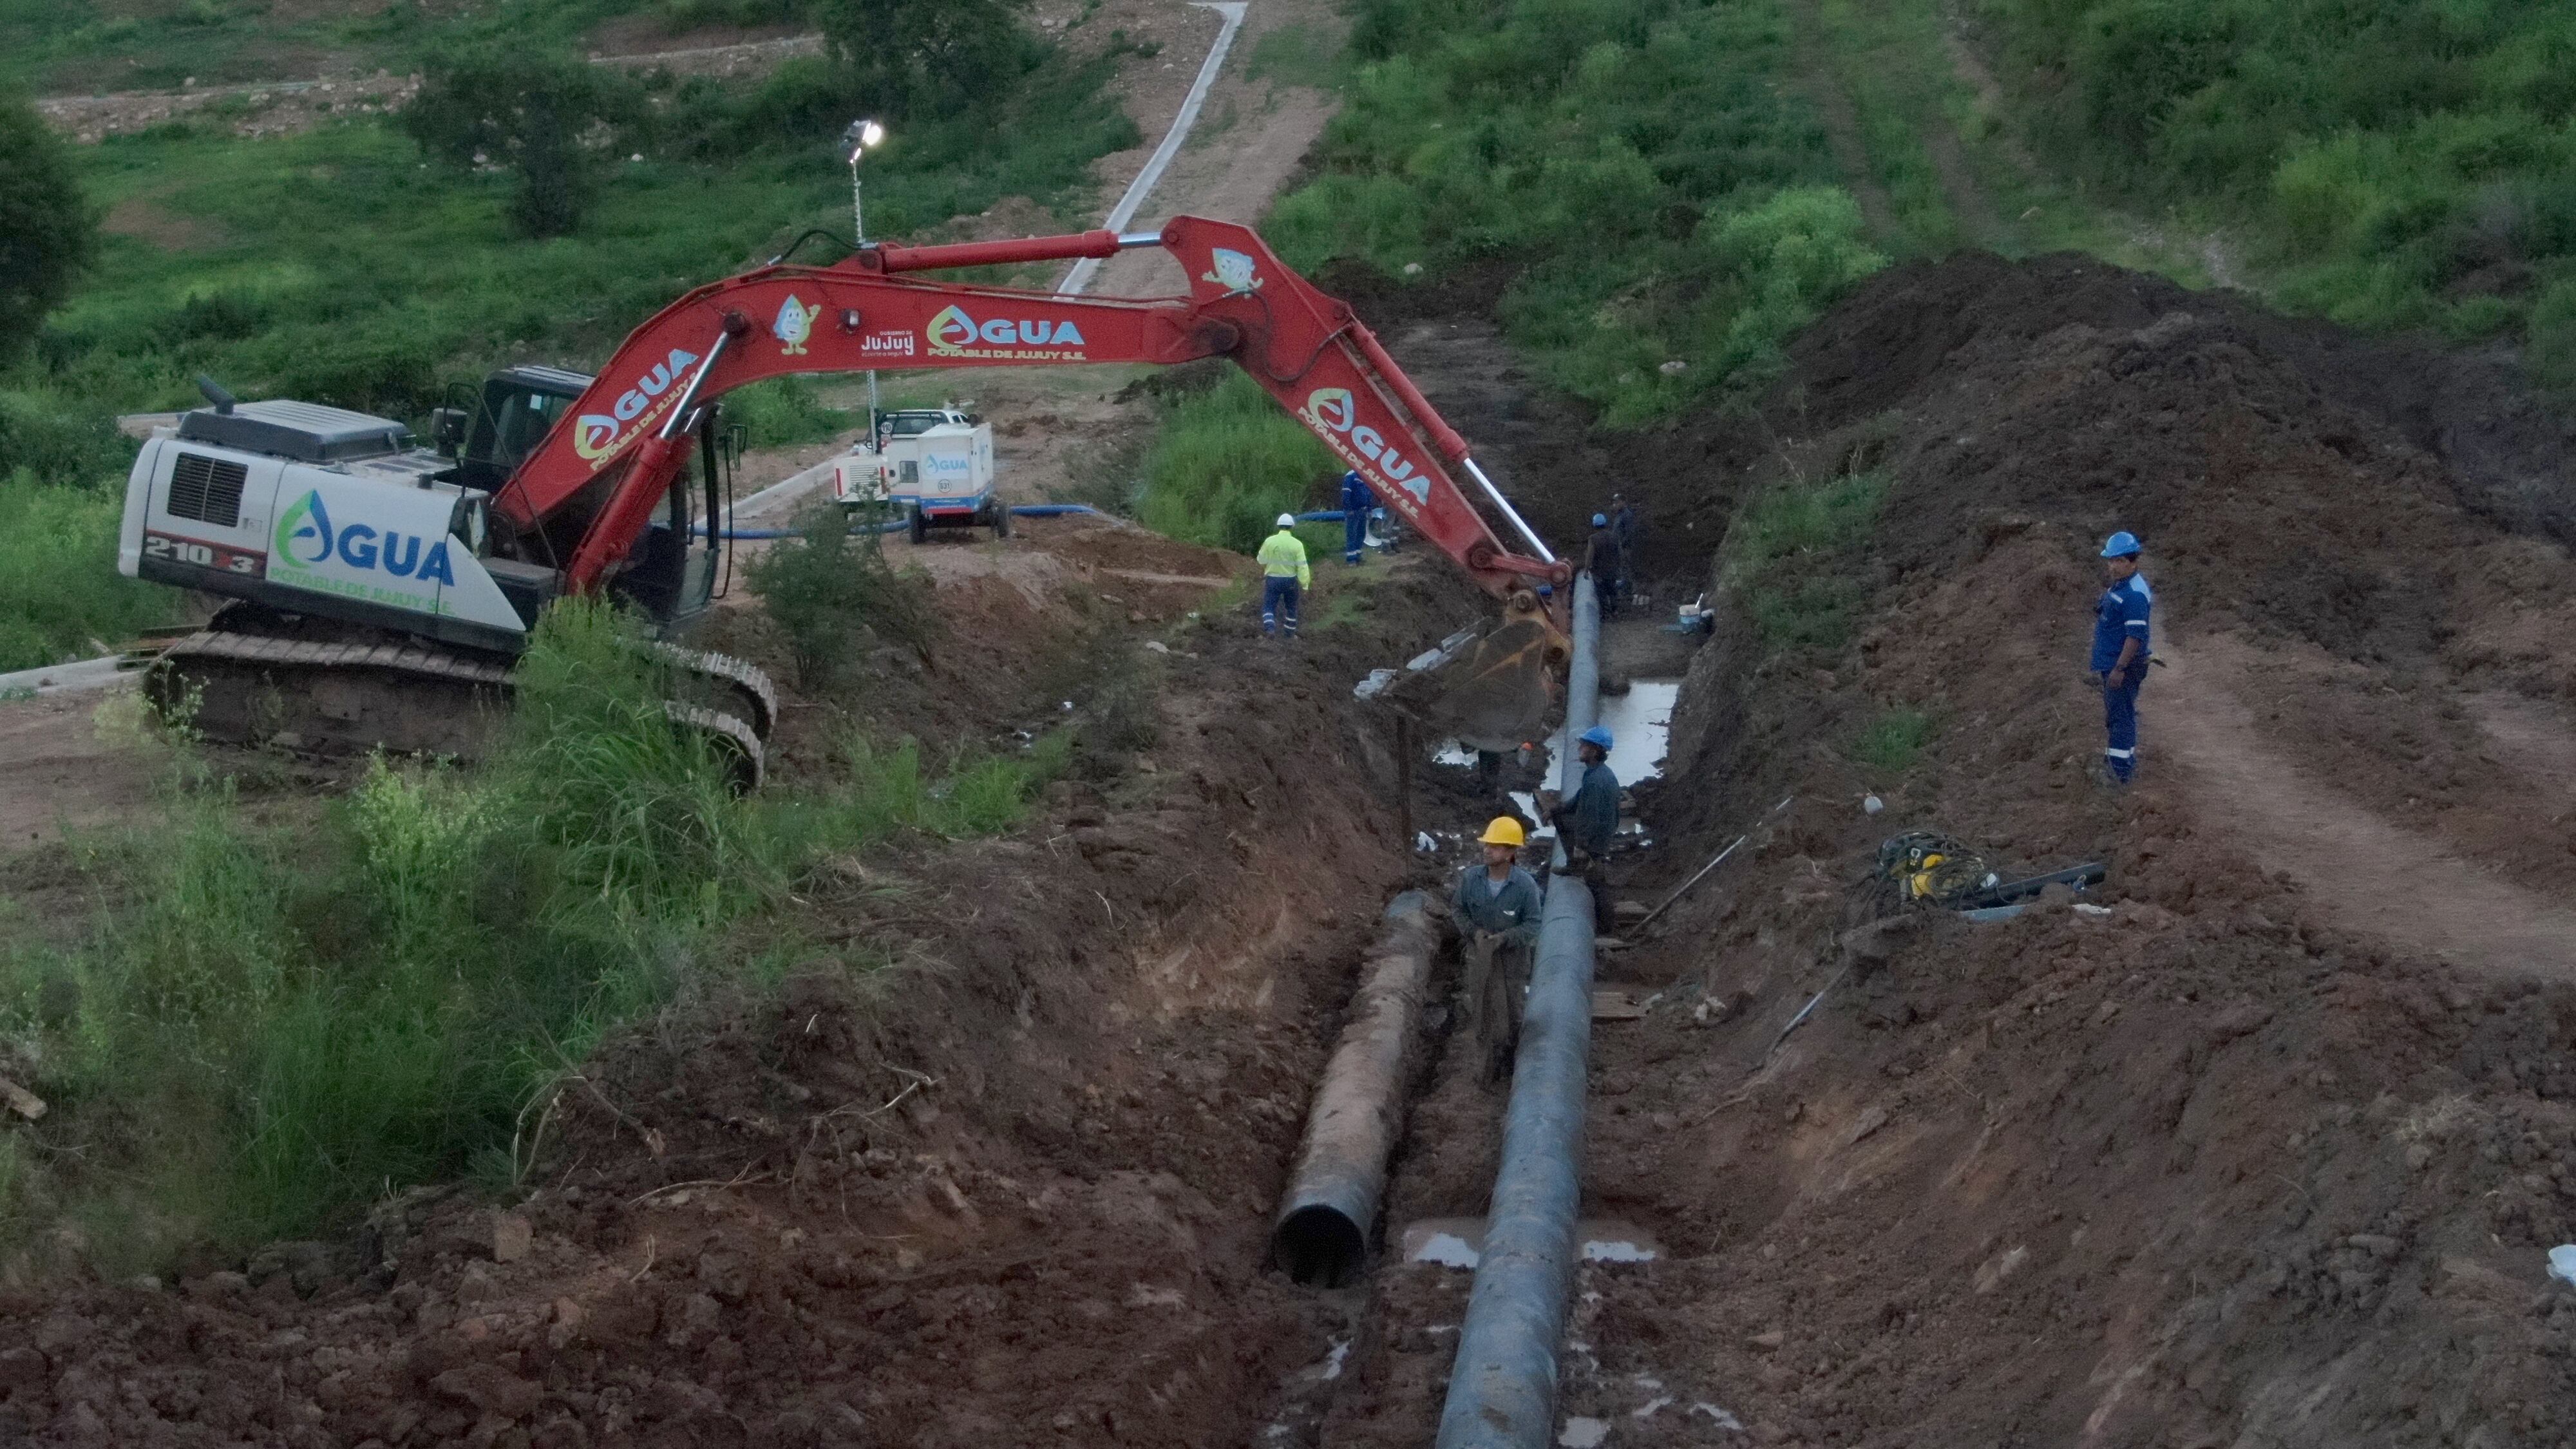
x,y
1593,149
833,594
48,232
913,59
545,116
1227,463
2399,164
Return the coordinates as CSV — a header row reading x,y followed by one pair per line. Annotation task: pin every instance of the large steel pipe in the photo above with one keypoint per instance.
x,y
1322,1233
1502,1387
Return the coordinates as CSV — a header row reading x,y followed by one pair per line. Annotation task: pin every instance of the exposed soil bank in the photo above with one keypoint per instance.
x,y
2236,1164
1012,1188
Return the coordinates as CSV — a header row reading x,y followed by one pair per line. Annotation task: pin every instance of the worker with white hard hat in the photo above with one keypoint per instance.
x,y
2121,651
1496,905
1285,576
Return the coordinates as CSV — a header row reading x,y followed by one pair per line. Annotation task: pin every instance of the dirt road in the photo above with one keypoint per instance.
x,y
2366,873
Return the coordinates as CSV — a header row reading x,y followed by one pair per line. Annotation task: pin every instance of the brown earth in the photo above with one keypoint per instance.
x,y
2244,1162
993,1166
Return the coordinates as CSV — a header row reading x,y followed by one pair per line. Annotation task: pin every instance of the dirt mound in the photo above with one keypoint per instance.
x,y
2238,1163
994,1165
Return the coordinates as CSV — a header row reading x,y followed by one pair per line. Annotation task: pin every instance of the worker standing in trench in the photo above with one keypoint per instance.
x,y
1601,560
1285,577
1496,906
1588,819
2121,651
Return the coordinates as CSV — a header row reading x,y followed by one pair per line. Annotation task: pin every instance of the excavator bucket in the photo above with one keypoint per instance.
x,y
1492,691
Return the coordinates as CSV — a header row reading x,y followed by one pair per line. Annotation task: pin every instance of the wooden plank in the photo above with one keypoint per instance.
x,y
1611,1003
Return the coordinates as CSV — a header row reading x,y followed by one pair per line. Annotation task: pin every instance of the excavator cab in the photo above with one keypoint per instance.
x,y
674,571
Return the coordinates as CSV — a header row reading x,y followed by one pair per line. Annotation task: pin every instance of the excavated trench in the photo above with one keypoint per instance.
x,y
2235,1165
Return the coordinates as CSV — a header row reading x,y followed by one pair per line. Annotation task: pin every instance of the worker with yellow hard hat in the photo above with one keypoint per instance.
x,y
1496,905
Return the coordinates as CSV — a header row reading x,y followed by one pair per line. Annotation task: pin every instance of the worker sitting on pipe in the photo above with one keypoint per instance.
x,y
1587,821
1497,906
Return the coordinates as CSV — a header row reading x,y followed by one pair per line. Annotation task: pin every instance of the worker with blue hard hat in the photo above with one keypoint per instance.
x,y
2122,648
1589,818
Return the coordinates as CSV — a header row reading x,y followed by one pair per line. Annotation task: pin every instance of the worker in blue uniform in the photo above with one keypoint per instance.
x,y
2122,648
1356,503
1589,818
1496,905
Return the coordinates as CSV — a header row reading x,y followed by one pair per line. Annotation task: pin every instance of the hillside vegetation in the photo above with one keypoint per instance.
x,y
1666,212
2391,163
347,265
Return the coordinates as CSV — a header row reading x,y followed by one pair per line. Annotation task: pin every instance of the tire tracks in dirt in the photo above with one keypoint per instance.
x,y
2369,874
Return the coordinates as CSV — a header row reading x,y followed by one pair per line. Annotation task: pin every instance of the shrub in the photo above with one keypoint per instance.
x,y
1792,555
2553,334
48,231
543,115
831,593
1594,150
786,411
1227,463
56,439
60,594
929,58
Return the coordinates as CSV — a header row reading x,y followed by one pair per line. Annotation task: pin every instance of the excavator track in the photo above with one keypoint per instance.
x,y
342,697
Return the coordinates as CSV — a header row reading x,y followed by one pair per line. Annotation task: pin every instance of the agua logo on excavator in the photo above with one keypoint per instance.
x,y
595,436
954,334
1335,413
305,537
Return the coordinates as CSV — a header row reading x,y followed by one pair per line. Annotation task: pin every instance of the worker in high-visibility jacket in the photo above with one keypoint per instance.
x,y
1285,577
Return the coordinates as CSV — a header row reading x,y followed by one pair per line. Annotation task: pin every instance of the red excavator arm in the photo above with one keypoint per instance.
x,y
867,311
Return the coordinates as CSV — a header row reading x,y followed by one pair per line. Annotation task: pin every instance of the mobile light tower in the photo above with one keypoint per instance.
x,y
862,136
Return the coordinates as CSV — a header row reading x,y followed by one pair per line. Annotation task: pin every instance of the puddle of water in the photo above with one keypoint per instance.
x,y
1333,1361
1724,1419
1583,1433
1527,804
1446,1249
1641,721
1453,753
1459,1242
1651,1407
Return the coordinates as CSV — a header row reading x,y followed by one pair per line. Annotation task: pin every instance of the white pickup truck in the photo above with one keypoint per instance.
x,y
935,464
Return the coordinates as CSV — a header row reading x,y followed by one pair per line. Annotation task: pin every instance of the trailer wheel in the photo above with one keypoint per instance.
x,y
1001,519
920,525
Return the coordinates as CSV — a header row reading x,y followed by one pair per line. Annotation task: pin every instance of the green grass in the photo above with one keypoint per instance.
x,y
2390,163
337,266
1792,556
1297,55
60,595
1227,462
49,46
1893,739
1669,217
271,1022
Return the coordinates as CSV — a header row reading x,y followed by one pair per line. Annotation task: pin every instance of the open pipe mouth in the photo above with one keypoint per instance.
x,y
1320,1247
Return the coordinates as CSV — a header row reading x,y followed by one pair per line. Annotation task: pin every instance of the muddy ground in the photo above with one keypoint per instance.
x,y
2267,1155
